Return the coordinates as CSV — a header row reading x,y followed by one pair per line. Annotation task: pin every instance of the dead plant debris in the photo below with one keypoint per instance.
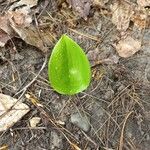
x,y
11,111
115,37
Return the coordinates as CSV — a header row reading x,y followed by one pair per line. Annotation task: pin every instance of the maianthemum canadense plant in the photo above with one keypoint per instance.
x,y
68,68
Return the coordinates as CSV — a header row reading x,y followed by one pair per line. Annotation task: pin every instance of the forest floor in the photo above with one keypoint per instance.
x,y
112,113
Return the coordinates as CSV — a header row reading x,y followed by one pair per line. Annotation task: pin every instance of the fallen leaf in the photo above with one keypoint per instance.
x,y
128,46
20,17
34,121
4,37
81,6
5,24
6,32
31,36
122,13
11,111
28,3
40,37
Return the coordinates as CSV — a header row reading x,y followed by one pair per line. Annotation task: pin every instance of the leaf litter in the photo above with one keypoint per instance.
x,y
19,23
11,111
81,6
28,3
121,14
128,46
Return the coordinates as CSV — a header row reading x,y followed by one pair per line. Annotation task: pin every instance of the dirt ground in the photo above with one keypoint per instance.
x,y
114,110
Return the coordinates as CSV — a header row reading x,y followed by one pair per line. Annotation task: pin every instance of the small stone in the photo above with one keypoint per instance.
x,y
81,121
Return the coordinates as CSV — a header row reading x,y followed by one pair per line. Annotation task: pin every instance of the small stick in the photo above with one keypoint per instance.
x,y
85,35
29,84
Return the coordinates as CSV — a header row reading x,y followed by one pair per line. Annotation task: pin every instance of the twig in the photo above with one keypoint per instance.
x,y
122,131
29,84
86,35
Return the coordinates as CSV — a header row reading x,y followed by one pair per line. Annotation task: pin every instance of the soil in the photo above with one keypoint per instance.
x,y
117,102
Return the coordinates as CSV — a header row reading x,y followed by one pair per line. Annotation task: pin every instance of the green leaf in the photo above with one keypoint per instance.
x,y
68,69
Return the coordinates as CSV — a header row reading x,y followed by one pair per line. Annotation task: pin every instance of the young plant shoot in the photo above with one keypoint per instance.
x,y
68,68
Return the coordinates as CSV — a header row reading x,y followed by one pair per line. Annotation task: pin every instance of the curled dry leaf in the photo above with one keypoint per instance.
x,y
34,121
21,24
31,36
81,6
122,13
11,111
20,17
128,46
18,22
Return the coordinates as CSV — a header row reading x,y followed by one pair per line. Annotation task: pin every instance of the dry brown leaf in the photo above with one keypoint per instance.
x,y
21,24
81,6
31,36
128,46
5,24
34,121
27,3
20,17
11,111
122,13
18,22
6,31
